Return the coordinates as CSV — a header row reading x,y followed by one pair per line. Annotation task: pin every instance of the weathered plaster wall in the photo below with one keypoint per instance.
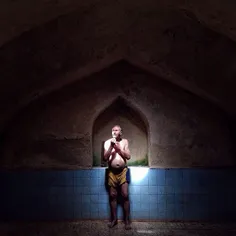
x,y
56,132
135,129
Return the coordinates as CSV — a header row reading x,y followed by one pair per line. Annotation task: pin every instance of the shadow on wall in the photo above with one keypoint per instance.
x,y
135,129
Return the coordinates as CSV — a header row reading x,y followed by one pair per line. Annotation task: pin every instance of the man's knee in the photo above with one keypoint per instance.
x,y
124,191
113,193
125,195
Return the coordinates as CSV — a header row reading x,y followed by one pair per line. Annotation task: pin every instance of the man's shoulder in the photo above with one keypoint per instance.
x,y
125,140
108,140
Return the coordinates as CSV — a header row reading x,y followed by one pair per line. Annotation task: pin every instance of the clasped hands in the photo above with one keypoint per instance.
x,y
115,145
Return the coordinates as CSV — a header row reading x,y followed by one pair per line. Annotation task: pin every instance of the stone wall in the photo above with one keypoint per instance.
x,y
57,130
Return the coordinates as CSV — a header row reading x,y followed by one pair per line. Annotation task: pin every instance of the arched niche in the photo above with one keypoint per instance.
x,y
135,129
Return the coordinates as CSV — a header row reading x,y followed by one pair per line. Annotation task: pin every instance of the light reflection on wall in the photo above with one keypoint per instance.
x,y
138,174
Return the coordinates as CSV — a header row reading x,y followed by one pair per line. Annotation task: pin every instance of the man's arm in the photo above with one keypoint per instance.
x,y
107,150
125,153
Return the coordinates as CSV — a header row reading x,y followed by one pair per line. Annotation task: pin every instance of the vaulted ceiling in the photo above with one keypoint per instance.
x,y
46,44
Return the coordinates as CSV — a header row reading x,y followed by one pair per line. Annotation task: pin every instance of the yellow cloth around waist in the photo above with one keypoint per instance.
x,y
116,179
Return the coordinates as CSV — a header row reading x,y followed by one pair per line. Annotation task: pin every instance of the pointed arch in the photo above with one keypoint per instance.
x,y
135,129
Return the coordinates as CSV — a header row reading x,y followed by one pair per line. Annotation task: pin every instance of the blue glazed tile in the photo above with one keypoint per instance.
x,y
69,199
179,199
78,190
144,206
86,173
135,198
103,215
86,199
94,198
85,207
144,181
78,182
56,190
82,174
144,190
153,206
161,215
169,190
144,215
169,178
68,190
188,190
135,189
153,215
179,213
78,174
94,215
94,182
94,190
189,215
78,204
63,178
187,173
94,173
77,199
190,212
203,190
170,215
161,189
135,206
86,190
161,180
153,198
101,173
191,199
61,190
102,189
86,181
203,200
103,207
161,207
143,197
170,207
85,215
119,212
101,181
152,177
161,198
103,198
153,190
94,207
170,198
179,189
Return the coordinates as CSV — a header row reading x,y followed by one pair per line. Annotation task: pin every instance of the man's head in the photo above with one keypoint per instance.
x,y
116,131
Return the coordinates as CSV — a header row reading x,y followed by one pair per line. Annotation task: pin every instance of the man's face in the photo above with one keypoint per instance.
x,y
116,132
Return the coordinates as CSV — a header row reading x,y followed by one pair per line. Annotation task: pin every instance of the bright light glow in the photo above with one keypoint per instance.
x,y
138,173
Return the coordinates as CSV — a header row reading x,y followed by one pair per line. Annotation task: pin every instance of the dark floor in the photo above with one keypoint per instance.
x,y
84,228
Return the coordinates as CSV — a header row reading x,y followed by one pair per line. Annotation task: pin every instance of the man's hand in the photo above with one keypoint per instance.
x,y
113,142
117,147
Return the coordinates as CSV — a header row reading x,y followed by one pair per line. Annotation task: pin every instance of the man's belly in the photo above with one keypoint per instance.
x,y
117,161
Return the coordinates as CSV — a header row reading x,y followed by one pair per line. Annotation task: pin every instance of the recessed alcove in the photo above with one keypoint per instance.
x,y
134,126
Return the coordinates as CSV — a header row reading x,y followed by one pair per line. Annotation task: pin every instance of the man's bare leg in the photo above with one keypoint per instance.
x,y
125,194
113,207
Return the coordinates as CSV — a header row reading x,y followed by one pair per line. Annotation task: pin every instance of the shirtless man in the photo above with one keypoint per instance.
x,y
116,152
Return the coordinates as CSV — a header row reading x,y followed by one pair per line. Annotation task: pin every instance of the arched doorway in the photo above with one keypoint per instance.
x,y
135,129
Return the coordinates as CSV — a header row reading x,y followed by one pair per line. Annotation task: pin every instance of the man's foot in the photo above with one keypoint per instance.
x,y
127,225
112,223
